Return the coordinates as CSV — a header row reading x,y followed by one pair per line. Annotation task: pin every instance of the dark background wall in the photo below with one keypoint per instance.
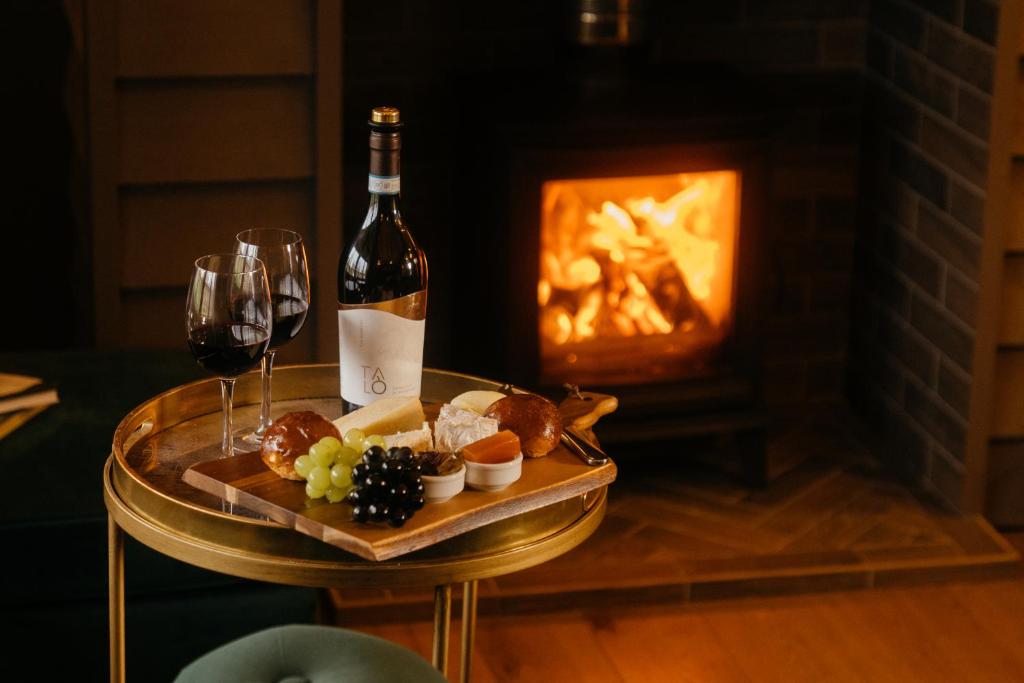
x,y
415,55
807,54
46,263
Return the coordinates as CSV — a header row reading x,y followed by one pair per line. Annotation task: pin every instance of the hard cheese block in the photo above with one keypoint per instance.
x,y
418,440
386,416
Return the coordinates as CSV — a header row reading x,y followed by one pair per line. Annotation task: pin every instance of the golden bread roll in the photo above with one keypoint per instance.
x,y
290,436
534,419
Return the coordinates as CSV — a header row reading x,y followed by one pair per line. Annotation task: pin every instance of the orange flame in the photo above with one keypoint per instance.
x,y
650,255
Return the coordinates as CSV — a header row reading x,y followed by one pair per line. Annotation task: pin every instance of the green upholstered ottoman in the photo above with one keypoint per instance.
x,y
310,654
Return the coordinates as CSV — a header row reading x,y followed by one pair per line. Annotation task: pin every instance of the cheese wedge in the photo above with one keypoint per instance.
x,y
385,416
477,400
498,448
418,440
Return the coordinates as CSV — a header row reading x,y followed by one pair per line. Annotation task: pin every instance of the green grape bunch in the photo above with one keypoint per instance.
x,y
327,468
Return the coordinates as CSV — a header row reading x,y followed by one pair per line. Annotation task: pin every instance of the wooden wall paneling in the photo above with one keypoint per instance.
x,y
1011,323
167,226
1017,137
1020,41
987,387
1015,215
103,155
214,38
302,349
1008,412
328,176
154,318
1005,483
201,122
205,131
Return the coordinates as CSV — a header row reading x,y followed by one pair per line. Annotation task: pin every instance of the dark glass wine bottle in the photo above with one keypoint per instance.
x,y
382,285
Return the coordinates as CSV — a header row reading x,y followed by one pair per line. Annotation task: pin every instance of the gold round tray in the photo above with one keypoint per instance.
x,y
160,439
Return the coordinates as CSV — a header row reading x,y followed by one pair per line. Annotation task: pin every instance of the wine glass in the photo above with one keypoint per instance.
x,y
284,256
229,322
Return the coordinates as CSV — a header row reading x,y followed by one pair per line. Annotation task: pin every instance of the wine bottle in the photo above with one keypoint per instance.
x,y
382,285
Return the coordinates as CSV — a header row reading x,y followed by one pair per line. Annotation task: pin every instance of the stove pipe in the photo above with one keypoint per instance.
x,y
608,22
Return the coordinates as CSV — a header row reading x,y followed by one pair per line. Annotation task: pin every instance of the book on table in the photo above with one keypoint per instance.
x,y
11,421
21,392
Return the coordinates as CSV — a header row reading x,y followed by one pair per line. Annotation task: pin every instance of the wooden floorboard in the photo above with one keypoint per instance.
x,y
964,631
834,522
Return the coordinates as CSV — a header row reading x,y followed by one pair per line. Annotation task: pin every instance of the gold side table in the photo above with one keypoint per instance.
x,y
146,499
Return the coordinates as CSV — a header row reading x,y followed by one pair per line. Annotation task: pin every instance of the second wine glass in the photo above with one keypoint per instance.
x,y
284,256
227,317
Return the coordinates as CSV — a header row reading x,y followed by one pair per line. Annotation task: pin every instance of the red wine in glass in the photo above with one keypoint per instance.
x,y
289,316
229,349
284,256
229,322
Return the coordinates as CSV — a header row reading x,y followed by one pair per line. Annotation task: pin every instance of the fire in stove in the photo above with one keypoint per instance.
x,y
636,275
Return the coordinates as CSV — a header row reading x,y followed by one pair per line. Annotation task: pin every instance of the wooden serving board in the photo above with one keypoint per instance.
x,y
244,480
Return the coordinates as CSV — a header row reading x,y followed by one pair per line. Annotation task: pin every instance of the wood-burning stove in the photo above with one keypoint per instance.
x,y
613,224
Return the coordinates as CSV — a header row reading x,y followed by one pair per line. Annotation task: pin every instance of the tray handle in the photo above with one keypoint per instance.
x,y
582,409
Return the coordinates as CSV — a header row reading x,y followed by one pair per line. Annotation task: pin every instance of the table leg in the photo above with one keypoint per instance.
x,y
442,624
115,589
468,628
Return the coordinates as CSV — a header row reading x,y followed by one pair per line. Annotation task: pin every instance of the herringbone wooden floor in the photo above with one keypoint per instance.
x,y
961,631
679,529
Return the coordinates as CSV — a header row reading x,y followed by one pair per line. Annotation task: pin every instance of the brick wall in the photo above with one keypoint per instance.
x,y
929,82
811,52
810,244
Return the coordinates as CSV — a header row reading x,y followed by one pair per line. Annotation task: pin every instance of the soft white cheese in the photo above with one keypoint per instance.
x,y
456,428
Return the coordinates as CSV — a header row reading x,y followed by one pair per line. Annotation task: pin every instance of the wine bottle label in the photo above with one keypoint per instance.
x,y
381,348
385,184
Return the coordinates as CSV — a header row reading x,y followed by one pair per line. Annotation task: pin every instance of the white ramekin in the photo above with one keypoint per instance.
x,y
445,487
493,477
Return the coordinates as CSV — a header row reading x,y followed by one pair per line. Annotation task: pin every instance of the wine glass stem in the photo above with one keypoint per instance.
x,y
227,391
268,370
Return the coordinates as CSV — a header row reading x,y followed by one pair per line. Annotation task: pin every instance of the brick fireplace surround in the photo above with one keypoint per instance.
x,y
929,78
875,202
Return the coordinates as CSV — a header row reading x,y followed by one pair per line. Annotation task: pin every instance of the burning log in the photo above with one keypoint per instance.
x,y
638,267
635,267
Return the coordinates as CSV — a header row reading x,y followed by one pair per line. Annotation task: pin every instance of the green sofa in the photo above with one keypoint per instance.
x,y
53,582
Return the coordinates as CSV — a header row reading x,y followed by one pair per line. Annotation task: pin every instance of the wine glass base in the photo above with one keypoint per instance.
x,y
248,439
245,440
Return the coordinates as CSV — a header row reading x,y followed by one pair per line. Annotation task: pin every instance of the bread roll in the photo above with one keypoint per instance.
x,y
534,419
290,436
